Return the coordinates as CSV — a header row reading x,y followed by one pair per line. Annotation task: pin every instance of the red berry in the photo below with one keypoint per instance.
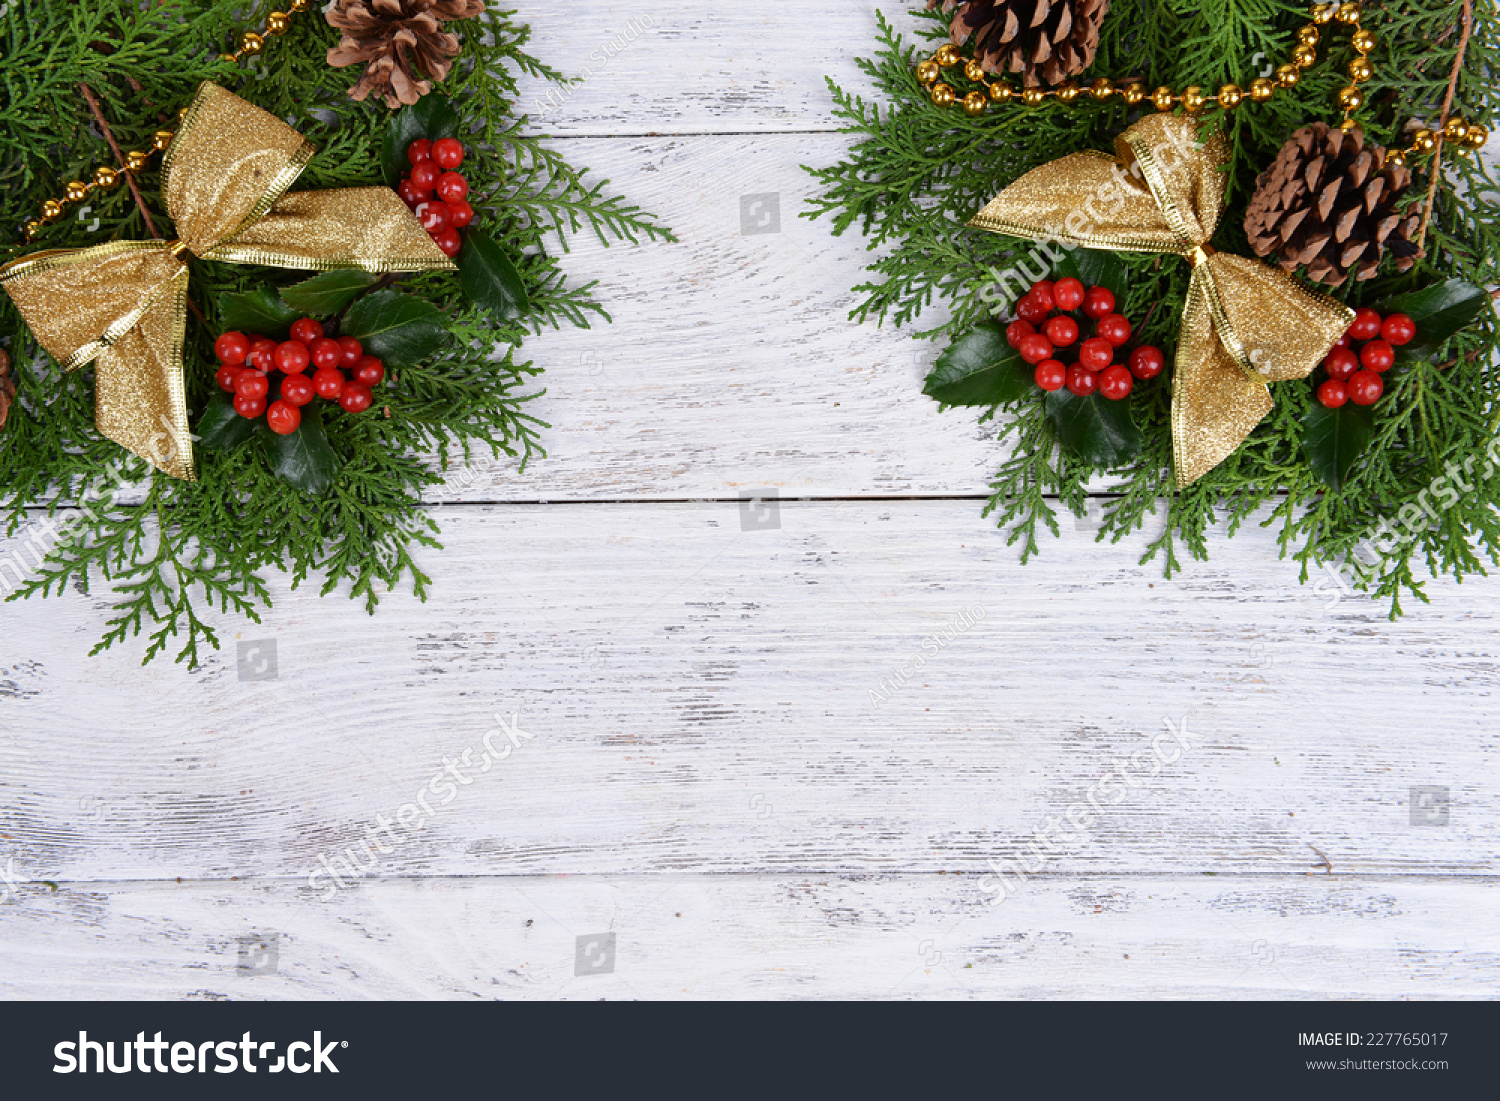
x,y
326,353
461,214
262,355
352,350
226,375
369,372
1062,331
449,241
1397,329
1035,348
419,151
1096,353
411,194
1031,309
1016,330
1377,355
451,186
1082,381
297,389
434,216
1042,292
1114,328
448,153
1365,387
1147,362
1115,382
425,175
1341,363
1068,293
305,330
292,357
283,418
1366,325
1343,341
355,398
252,385
232,348
249,408
1333,393
1050,374
1098,302
328,383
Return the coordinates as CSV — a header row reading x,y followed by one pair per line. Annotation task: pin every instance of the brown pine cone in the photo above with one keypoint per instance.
x,y
1329,202
400,42
1046,41
7,387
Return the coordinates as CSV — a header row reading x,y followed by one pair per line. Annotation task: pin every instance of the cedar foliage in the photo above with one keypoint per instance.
x,y
915,174
168,549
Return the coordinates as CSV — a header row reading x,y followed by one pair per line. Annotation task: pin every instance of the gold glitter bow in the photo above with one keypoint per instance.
x,y
1245,323
122,305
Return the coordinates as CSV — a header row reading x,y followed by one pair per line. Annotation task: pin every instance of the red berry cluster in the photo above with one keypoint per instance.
x,y
1354,372
436,193
250,361
1043,329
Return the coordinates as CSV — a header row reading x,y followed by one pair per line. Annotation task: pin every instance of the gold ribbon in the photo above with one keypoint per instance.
x,y
1245,323
122,305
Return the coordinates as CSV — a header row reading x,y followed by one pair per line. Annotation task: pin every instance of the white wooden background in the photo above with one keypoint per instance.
x,y
709,778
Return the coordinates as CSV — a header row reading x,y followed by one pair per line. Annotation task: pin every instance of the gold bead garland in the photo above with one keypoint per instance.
x,y
136,160
1465,135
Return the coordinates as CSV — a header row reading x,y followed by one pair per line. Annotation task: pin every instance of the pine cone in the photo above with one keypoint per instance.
x,y
7,387
1329,202
1046,41
400,42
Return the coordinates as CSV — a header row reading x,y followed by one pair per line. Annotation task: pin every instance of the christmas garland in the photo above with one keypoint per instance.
x,y
1327,350
181,412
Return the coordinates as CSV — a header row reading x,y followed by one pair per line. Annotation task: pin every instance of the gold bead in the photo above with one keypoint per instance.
x,y
1308,35
105,177
947,55
182,115
1324,13
1363,40
1288,75
1348,13
1001,91
299,5
1069,92
1162,98
1477,136
1033,96
76,191
1103,88
251,43
1192,99
1423,141
32,227
135,160
1395,157
928,71
1261,89
160,140
974,71
1456,129
1351,98
1360,69
1303,56
277,22
974,103
1349,125
51,210
1230,96
942,95
1135,94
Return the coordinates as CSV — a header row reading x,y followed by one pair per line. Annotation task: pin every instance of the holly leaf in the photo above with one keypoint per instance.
x,y
979,368
1094,267
490,279
1439,311
431,117
1333,438
220,427
400,330
304,457
258,311
326,294
1100,431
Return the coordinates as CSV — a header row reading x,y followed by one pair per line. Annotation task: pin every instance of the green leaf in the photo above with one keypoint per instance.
x,y
980,368
431,117
1100,431
400,330
220,427
1439,311
326,294
490,279
259,311
1333,438
1094,267
303,457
